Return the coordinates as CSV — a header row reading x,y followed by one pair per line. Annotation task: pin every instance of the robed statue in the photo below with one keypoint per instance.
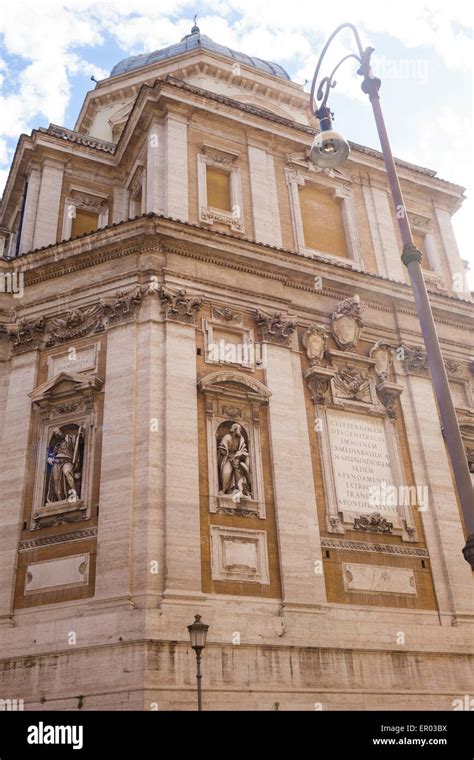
x,y
65,460
233,462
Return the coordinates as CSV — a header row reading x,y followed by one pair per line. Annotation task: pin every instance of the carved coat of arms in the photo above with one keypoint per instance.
x,y
347,323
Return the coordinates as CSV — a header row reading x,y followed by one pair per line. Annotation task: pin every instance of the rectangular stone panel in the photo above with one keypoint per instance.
x,y
57,573
360,460
81,360
378,578
239,555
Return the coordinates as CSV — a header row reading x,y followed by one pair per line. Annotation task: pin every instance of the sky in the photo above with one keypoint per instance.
x,y
423,54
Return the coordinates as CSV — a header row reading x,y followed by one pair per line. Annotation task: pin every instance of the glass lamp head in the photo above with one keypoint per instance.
x,y
329,149
198,633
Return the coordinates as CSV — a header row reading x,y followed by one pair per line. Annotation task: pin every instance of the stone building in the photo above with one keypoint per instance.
x,y
215,400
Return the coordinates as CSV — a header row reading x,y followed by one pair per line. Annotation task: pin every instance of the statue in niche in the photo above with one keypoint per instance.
x,y
233,459
64,464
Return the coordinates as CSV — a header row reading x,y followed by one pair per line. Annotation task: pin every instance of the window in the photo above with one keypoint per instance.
x,y
136,193
84,221
84,213
323,225
3,245
323,213
218,189
230,345
420,242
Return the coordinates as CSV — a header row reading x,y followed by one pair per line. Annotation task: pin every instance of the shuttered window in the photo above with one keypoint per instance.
x,y
84,221
218,189
419,241
323,226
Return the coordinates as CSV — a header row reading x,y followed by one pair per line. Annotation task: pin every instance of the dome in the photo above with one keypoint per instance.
x,y
196,41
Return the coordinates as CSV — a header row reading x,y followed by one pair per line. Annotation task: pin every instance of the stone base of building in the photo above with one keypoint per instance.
x,y
263,657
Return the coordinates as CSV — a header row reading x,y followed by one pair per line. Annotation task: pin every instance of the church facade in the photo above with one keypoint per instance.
x,y
215,400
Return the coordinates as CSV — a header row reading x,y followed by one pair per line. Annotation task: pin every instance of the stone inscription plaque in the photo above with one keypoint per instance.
x,y
378,578
359,455
82,360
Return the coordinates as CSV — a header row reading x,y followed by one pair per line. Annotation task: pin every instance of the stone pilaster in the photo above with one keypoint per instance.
x,y
295,498
113,578
450,247
386,248
266,216
120,204
31,206
155,176
176,168
441,521
49,200
13,458
149,488
183,552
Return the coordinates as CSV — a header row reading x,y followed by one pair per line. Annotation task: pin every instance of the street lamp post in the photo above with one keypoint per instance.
x,y
330,149
197,634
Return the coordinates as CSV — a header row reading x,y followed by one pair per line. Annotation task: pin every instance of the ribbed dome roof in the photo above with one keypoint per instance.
x,y
196,41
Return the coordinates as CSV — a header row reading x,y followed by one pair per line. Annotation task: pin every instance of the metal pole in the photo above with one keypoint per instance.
x,y
411,257
199,677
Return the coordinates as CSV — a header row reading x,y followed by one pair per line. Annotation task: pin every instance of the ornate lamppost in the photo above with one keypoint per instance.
x,y
197,634
330,149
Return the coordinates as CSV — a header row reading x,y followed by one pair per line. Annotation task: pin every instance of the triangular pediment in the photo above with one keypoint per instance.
x,y
65,384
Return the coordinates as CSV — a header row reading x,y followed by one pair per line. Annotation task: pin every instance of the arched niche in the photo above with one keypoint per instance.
x,y
233,398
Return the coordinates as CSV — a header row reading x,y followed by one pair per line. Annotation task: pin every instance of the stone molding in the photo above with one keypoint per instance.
x,y
48,331
276,327
339,544
62,538
178,306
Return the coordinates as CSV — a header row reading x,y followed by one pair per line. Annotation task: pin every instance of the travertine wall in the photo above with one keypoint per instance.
x,y
142,289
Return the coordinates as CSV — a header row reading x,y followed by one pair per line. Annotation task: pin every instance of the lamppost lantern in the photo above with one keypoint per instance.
x,y
329,148
198,633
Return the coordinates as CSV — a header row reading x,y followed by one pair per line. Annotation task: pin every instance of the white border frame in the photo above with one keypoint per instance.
x,y
85,557
258,538
337,520
209,325
101,209
208,214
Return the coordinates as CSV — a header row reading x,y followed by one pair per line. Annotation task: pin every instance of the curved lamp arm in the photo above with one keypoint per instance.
x,y
327,83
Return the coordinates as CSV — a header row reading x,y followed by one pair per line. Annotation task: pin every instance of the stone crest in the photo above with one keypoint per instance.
x,y
315,341
373,523
347,323
350,383
381,352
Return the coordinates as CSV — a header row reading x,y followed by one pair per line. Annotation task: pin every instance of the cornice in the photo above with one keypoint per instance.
x,y
298,271
77,137
371,548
